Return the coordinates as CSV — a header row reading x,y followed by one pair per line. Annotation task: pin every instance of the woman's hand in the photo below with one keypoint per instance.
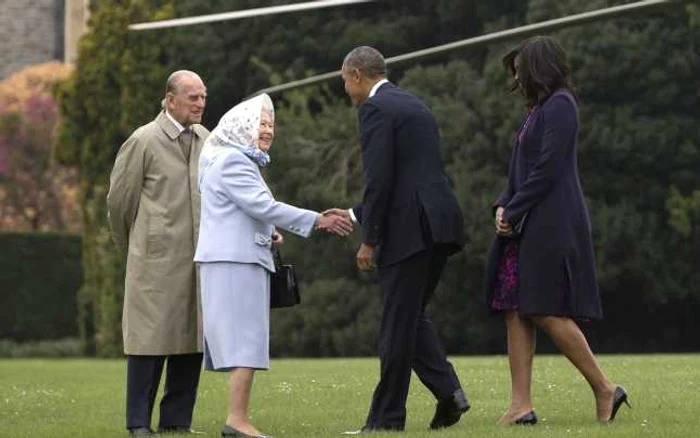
x,y
277,238
503,228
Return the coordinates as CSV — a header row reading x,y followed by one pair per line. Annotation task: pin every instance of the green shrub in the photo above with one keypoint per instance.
x,y
67,347
40,274
116,86
335,318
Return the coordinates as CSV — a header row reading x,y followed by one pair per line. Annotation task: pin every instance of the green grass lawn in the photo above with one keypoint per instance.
x,y
322,398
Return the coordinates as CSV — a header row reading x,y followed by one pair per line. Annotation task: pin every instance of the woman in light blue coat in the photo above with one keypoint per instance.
x,y
238,226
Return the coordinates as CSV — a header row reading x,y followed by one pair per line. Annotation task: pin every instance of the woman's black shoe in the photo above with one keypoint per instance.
x,y
619,398
230,431
528,419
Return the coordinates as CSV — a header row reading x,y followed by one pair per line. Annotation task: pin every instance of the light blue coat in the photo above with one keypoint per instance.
x,y
239,213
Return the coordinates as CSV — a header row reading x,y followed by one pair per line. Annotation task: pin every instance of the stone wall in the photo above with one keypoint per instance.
x,y
31,32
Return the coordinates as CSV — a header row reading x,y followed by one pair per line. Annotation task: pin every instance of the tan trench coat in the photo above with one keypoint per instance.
x,y
153,204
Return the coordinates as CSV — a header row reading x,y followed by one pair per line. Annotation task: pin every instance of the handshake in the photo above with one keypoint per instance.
x,y
337,221
334,221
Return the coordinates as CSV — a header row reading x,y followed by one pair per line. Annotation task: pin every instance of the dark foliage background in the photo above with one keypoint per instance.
x,y
639,157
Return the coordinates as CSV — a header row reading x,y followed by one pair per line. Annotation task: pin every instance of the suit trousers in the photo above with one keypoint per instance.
x,y
407,338
181,381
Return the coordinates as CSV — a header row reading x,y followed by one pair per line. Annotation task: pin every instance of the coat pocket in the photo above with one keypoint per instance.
x,y
156,237
263,240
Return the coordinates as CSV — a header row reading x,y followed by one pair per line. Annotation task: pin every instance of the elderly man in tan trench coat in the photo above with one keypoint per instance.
x,y
153,205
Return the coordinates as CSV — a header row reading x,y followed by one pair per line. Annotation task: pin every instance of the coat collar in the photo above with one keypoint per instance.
x,y
171,130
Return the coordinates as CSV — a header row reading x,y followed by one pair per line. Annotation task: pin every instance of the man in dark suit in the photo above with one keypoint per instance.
x,y
411,223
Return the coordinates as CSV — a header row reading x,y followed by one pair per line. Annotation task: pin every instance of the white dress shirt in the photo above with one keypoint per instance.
x,y
376,86
177,124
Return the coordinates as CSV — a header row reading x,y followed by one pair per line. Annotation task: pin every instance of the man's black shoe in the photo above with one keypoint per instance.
x,y
141,431
179,430
449,410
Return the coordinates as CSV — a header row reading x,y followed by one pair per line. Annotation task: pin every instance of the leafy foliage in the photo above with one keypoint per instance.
x,y
36,193
638,160
638,152
68,347
40,274
237,58
116,87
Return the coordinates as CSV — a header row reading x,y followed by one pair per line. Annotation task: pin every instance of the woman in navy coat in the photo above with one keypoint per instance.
x,y
541,270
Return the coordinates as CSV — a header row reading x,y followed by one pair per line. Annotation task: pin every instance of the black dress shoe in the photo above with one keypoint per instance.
x,y
184,430
141,431
619,398
528,419
230,431
449,410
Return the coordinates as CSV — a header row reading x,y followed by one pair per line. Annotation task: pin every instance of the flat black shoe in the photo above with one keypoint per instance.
x,y
357,432
141,431
368,429
528,419
619,398
230,431
449,410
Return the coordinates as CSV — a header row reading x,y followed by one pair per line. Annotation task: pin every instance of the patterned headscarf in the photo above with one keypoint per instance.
x,y
239,128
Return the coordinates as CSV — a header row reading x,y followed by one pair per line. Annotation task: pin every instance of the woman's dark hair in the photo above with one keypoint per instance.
x,y
543,68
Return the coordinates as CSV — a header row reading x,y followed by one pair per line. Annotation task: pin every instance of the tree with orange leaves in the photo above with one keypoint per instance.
x,y
36,193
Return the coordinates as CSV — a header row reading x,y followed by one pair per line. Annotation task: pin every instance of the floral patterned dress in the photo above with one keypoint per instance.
x,y
505,296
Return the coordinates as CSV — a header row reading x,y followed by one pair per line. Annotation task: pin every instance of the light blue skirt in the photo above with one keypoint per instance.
x,y
235,315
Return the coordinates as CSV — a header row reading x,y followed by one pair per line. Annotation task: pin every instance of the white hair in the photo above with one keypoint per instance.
x,y
268,106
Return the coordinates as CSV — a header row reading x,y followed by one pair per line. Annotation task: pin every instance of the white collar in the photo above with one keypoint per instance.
x,y
177,124
376,86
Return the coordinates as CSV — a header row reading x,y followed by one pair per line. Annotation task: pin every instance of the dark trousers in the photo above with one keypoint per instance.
x,y
181,381
407,338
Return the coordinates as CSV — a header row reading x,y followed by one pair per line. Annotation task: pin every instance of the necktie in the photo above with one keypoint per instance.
x,y
185,141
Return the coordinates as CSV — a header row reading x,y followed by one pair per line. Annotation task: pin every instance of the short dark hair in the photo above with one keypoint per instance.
x,y
368,59
544,68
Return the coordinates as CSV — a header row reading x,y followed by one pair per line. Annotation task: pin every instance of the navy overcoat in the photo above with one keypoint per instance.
x,y
556,265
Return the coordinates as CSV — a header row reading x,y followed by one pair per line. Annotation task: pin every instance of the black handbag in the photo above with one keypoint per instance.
x,y
519,227
284,289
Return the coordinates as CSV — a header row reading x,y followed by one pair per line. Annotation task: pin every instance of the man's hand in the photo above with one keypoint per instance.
x,y
365,257
277,238
503,228
337,212
334,223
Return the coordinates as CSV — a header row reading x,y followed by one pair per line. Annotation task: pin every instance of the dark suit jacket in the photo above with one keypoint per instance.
x,y
408,201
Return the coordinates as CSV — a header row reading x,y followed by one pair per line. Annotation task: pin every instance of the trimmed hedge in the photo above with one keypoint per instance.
x,y
40,274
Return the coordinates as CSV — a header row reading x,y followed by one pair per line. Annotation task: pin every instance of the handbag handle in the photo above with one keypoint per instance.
x,y
276,256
